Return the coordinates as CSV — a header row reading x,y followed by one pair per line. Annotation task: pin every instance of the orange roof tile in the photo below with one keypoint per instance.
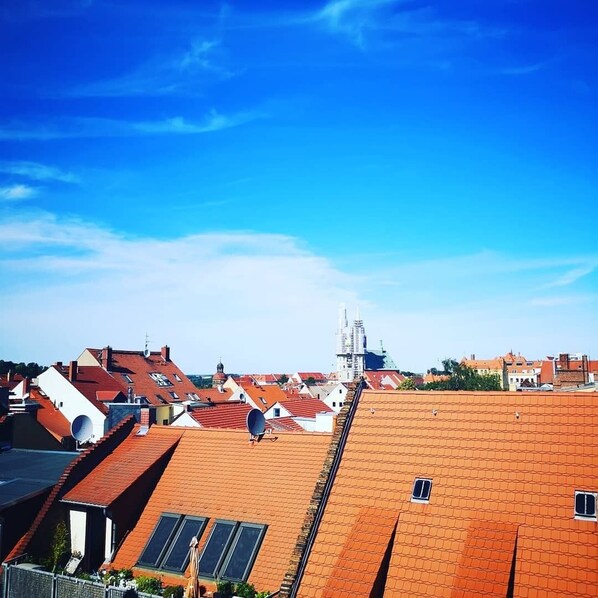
x,y
218,474
223,415
502,465
284,423
50,417
119,470
307,407
264,396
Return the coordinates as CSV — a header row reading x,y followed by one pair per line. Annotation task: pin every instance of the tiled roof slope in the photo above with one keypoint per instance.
x,y
49,416
223,415
305,407
219,474
123,467
138,368
502,489
265,396
284,423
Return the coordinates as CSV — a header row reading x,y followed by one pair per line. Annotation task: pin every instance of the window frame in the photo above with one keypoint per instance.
x,y
585,516
155,564
228,550
203,521
421,498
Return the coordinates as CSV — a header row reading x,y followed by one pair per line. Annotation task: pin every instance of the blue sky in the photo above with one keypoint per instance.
x,y
221,176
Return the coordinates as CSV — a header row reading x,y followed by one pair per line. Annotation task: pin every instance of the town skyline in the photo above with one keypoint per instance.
x,y
222,177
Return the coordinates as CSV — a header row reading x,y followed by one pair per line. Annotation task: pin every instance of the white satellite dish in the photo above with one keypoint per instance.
x,y
256,423
82,428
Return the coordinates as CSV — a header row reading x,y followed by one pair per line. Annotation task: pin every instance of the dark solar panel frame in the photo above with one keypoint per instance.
x,y
237,564
216,558
159,541
177,557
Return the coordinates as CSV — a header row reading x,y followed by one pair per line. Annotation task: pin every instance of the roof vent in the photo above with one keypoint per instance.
x,y
517,415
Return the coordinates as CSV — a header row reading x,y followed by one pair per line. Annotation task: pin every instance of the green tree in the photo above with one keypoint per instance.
x,y
462,377
407,384
283,380
60,547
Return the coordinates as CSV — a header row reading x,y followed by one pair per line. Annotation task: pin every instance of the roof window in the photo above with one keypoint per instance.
x,y
177,377
168,546
160,379
230,550
422,487
173,394
127,378
585,505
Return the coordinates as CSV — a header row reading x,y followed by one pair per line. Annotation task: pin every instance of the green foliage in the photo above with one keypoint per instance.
x,y
263,594
245,590
225,588
310,381
173,592
463,377
149,585
59,548
29,370
407,384
283,379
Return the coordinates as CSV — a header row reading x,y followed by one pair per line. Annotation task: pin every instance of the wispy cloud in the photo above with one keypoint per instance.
x,y
574,275
17,193
72,128
37,172
525,69
184,72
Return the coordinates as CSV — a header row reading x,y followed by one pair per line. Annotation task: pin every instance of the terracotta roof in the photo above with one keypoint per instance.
x,y
305,407
489,364
49,416
383,379
224,415
213,394
110,395
15,379
264,396
504,469
133,457
547,372
218,474
91,379
284,423
317,376
136,367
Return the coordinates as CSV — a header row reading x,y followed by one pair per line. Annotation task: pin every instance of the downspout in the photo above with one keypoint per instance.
x,y
327,488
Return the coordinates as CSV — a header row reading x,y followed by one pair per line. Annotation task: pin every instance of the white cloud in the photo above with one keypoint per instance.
x,y
37,172
75,128
17,193
264,302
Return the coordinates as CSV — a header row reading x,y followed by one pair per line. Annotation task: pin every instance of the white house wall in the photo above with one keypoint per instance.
x,y
78,522
70,401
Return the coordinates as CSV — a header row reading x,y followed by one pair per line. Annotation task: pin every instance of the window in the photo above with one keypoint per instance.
x,y
173,394
177,377
263,400
585,505
160,379
334,403
168,546
421,490
127,378
231,549
276,412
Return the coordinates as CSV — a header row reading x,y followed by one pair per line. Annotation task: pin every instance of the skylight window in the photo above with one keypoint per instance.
x,y
231,549
168,546
127,378
173,394
177,377
422,488
160,379
585,505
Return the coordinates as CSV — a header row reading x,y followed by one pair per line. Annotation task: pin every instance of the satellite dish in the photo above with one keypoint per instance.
x,y
256,423
82,428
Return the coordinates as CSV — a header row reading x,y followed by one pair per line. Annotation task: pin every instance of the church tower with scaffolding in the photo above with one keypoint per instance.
x,y
351,347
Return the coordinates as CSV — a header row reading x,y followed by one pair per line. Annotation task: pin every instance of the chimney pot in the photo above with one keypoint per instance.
x,y
107,358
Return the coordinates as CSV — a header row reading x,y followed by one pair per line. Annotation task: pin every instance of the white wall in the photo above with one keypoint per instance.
x,y
78,522
185,420
60,390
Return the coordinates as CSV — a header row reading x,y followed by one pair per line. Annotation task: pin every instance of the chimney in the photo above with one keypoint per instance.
x,y
107,358
73,371
144,416
564,361
26,386
165,351
59,366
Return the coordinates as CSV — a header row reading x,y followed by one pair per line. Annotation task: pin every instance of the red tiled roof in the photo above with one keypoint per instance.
x,y
213,394
376,379
13,382
223,415
264,396
547,372
317,376
305,407
119,470
504,470
49,416
91,379
284,423
110,395
138,368
218,474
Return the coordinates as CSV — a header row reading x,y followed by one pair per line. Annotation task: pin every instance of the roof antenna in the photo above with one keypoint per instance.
x,y
146,350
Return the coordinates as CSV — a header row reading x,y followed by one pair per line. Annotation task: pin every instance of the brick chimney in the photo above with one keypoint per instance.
x,y
26,386
73,371
107,358
165,352
59,366
144,416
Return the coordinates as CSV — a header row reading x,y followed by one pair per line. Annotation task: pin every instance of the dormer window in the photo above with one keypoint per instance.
x,y
585,505
422,487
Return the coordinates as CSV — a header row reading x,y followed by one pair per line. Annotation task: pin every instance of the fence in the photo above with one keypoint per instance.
x,y
23,581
